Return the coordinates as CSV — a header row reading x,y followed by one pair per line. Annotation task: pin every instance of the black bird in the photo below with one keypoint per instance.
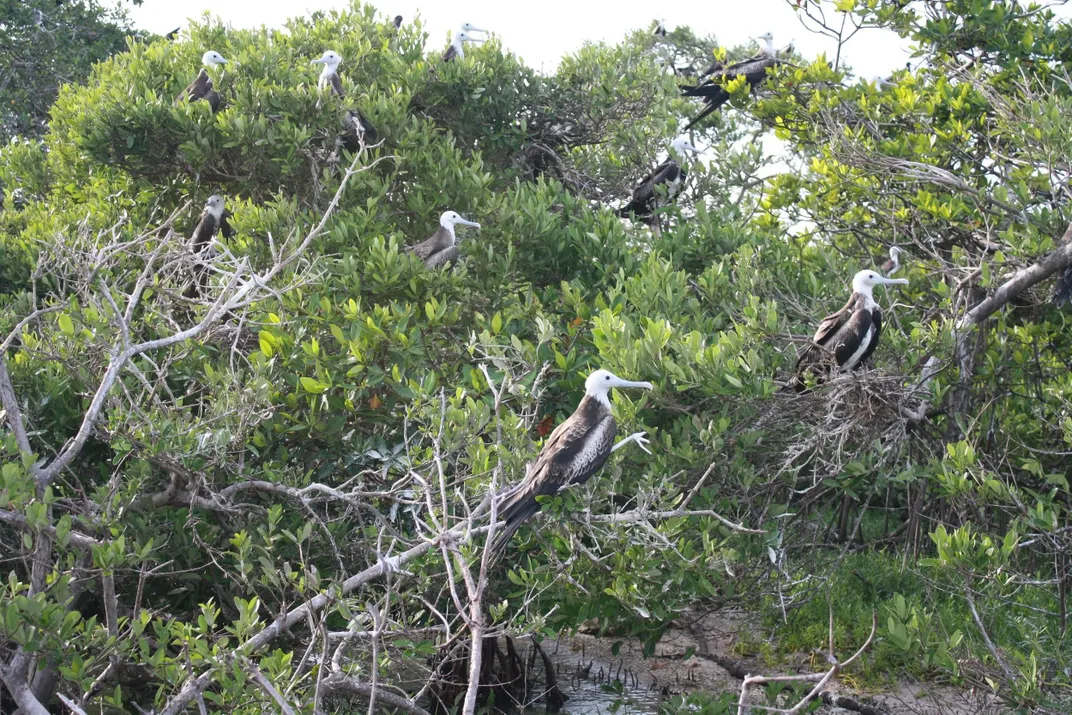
x,y
397,22
202,87
575,451
849,336
669,174
714,92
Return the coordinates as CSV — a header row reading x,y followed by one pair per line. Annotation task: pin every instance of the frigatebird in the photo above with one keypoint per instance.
x,y
575,451
714,92
669,174
848,337
201,87
213,220
442,246
456,46
894,264
358,129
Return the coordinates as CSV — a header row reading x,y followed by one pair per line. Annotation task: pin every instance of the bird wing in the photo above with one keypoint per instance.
x,y
336,83
831,323
644,192
196,89
450,54
438,241
447,255
572,454
225,225
846,340
203,232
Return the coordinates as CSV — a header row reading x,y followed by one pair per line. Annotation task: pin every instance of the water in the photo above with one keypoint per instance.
x,y
598,688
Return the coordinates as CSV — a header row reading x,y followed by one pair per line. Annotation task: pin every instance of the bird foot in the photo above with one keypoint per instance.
x,y
640,438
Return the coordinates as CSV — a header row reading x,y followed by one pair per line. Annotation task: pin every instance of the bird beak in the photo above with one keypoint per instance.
x,y
463,222
892,281
319,61
619,382
477,29
691,148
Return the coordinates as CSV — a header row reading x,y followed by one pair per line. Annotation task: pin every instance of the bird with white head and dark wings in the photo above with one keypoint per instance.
x,y
442,247
714,92
358,130
847,338
575,451
894,264
670,174
456,50
213,220
202,86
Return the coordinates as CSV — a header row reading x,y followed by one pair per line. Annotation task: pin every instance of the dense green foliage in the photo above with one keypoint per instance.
x,y
361,406
47,43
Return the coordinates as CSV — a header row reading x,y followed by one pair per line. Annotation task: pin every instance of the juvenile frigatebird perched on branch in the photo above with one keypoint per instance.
x,y
575,451
213,220
894,264
358,129
442,247
669,174
456,48
714,92
201,87
849,336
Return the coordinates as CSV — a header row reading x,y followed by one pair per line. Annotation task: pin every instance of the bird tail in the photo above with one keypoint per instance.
x,y
515,511
712,104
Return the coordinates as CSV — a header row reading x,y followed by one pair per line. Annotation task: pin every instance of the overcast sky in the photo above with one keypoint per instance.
x,y
557,27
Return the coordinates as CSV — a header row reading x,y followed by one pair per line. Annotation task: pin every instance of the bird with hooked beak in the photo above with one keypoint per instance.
x,y
456,49
575,451
358,129
670,174
848,337
213,220
202,87
754,70
442,246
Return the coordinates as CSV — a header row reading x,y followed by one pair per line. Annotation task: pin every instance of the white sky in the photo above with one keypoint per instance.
x,y
557,27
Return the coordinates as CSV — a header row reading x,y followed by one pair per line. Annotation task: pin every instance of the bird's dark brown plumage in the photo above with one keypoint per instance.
x,y
576,450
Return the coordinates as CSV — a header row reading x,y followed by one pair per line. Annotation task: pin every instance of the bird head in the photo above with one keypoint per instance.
x,y
450,219
212,59
463,36
895,252
214,206
600,382
470,27
331,60
865,281
766,41
682,145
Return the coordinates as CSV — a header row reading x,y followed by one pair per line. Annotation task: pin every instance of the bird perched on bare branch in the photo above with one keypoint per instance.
x,y
575,451
213,220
